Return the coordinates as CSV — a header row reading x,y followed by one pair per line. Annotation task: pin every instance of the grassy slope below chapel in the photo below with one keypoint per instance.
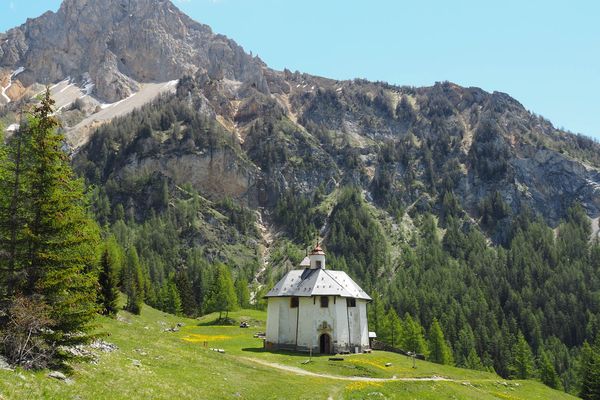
x,y
177,366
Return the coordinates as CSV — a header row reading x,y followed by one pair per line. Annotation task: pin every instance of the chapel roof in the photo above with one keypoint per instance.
x,y
317,282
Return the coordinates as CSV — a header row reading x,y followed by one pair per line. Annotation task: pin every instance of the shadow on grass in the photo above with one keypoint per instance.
x,y
219,322
299,354
256,350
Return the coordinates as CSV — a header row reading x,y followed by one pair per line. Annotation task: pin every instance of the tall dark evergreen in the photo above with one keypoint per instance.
x,y
108,279
47,240
189,306
133,282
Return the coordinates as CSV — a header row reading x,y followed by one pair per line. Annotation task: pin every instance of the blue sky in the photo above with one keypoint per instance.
x,y
546,54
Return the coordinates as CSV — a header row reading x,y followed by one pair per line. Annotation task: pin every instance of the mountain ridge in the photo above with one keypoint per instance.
x,y
111,47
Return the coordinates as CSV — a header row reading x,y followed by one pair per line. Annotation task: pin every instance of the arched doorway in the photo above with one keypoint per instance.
x,y
325,344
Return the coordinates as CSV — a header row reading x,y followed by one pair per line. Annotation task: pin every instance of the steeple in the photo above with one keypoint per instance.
x,y
317,258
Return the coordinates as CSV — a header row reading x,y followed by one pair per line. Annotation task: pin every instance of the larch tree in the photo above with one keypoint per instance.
x,y
413,338
522,359
221,293
391,331
548,374
439,350
241,290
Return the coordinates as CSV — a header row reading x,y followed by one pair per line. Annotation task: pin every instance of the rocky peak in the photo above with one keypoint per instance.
x,y
119,44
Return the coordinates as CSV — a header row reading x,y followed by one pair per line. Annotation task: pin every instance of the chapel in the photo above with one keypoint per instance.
x,y
316,308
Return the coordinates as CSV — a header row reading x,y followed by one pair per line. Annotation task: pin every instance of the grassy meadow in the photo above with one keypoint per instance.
x,y
152,363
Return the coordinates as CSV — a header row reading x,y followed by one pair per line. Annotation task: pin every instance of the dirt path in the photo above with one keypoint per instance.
x,y
300,371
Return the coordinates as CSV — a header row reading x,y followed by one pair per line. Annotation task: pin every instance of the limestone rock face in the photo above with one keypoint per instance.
x,y
122,43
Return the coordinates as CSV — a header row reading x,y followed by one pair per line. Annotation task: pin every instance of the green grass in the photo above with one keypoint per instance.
x,y
179,366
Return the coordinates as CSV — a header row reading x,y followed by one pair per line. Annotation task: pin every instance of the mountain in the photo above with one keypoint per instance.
x,y
118,44
488,141
450,202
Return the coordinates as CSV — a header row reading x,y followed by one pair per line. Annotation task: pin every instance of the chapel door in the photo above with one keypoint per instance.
x,y
325,344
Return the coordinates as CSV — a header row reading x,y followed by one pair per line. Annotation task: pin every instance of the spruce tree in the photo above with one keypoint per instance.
x,y
439,350
15,161
189,306
110,265
48,241
133,282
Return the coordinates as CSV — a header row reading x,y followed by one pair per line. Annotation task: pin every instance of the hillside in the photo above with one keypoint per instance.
x,y
150,362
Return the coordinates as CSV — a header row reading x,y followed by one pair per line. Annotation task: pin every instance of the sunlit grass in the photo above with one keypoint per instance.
x,y
181,365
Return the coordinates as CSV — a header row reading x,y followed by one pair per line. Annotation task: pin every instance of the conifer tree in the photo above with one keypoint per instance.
x,y
548,374
522,359
413,339
376,314
47,240
169,298
473,361
391,331
221,293
439,350
110,265
590,371
241,291
133,282
189,306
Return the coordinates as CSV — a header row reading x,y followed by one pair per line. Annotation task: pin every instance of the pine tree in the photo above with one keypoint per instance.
x,y
548,374
133,282
110,266
45,229
522,359
221,293
590,371
439,350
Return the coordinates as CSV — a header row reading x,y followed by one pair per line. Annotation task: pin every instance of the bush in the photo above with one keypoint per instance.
x,y
23,335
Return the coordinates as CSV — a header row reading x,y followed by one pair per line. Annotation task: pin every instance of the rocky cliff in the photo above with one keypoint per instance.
x,y
120,44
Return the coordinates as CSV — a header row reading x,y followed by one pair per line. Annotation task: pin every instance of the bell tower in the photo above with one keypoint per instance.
x,y
317,258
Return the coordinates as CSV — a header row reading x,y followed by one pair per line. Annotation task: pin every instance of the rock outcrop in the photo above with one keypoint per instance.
x,y
120,44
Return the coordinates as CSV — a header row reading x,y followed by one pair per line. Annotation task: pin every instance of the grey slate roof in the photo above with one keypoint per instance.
x,y
317,282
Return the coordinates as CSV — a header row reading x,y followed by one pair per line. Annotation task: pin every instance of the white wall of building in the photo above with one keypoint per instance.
x,y
347,326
